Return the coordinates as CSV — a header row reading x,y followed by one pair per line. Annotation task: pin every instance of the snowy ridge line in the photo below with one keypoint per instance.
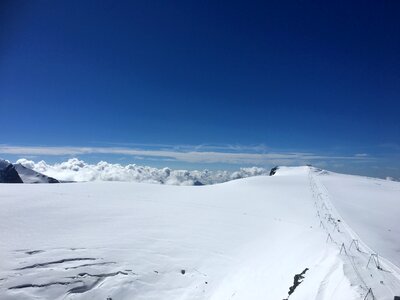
x,y
351,258
372,288
316,196
382,260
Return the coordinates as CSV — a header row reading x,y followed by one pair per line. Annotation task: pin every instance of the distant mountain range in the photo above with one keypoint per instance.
x,y
17,173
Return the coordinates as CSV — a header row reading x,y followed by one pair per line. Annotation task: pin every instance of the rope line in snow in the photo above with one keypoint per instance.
x,y
324,214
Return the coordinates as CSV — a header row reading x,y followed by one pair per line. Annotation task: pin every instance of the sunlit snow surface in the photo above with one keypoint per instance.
x,y
244,239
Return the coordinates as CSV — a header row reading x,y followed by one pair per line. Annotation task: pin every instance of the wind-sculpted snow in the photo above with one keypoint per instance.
x,y
77,170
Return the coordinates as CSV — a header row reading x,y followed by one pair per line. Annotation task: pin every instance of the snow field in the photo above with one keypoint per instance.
x,y
244,239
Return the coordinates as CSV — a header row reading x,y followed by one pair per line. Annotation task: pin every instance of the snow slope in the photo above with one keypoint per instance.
x,y
244,239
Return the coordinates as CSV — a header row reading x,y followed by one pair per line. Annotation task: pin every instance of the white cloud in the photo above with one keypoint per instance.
x,y
190,156
77,170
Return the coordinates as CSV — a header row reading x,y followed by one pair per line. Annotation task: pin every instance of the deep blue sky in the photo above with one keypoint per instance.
x,y
310,76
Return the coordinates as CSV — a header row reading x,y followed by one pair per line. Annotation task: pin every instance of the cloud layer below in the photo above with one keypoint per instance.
x,y
77,170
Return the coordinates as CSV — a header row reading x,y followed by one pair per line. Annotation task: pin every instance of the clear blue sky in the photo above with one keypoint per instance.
x,y
269,77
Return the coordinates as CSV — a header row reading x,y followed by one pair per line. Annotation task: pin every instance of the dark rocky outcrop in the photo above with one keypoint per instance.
x,y
298,278
8,174
273,171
